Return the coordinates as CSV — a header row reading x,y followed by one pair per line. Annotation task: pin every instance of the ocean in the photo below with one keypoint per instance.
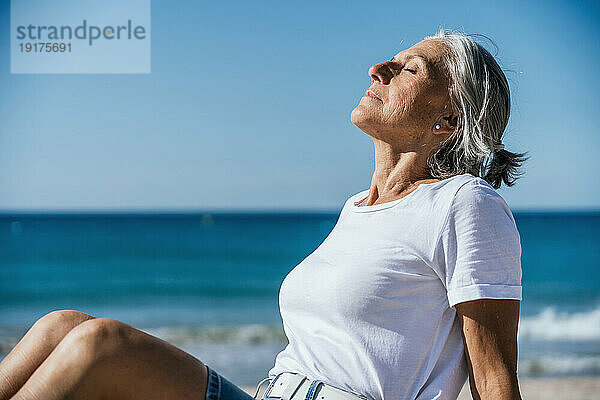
x,y
209,283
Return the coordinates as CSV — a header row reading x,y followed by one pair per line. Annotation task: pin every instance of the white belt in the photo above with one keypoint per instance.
x,y
295,386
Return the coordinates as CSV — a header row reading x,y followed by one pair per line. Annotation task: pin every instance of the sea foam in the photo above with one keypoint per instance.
x,y
553,325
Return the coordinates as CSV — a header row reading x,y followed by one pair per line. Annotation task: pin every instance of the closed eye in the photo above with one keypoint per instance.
x,y
412,71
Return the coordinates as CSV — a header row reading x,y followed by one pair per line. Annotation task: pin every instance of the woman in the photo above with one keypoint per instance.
x,y
417,285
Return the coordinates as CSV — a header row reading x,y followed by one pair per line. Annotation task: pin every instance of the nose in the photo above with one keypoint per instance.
x,y
381,73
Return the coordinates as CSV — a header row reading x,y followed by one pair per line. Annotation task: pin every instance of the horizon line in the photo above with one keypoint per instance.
x,y
237,211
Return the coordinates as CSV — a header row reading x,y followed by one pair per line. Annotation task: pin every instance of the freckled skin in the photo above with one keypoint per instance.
x,y
413,97
411,103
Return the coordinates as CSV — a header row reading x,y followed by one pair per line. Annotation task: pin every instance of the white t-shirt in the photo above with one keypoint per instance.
x,y
371,309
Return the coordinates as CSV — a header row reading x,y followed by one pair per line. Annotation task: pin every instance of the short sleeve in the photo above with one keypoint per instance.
x,y
480,246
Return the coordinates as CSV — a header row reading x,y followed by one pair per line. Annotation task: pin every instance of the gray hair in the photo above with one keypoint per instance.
x,y
480,95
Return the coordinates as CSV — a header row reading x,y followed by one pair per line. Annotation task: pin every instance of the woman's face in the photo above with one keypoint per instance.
x,y
408,97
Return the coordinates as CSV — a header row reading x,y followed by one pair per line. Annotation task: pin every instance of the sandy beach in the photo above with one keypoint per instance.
x,y
580,388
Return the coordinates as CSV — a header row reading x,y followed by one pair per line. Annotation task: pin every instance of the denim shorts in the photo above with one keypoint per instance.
x,y
219,388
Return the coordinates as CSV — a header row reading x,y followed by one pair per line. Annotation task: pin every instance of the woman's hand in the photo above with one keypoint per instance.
x,y
489,330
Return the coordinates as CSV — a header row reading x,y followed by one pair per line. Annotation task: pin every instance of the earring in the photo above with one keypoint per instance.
x,y
438,126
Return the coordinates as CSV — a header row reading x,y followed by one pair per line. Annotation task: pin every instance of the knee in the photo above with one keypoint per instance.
x,y
56,324
99,337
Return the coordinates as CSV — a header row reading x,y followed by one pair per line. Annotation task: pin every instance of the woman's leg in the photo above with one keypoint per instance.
x,y
106,359
34,347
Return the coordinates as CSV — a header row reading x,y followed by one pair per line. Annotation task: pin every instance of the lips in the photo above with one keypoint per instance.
x,y
370,93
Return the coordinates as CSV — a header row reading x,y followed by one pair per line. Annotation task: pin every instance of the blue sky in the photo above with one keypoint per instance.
x,y
247,107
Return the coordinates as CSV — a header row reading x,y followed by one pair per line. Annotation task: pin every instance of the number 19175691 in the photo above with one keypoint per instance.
x,y
40,47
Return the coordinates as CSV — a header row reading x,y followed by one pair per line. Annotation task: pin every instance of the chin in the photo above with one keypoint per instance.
x,y
369,122
362,117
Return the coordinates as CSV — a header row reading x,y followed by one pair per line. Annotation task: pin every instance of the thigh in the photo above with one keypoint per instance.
x,y
130,364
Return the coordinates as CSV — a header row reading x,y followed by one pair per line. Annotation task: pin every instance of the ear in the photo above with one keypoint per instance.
x,y
447,124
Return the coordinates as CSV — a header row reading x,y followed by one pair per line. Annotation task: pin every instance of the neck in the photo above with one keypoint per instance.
x,y
397,173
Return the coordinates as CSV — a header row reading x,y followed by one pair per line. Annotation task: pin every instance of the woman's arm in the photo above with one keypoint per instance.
x,y
489,330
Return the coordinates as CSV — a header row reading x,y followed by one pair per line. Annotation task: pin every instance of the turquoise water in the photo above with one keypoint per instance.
x,y
209,282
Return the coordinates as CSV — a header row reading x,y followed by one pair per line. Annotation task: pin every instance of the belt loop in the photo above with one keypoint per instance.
x,y
266,393
311,390
259,385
